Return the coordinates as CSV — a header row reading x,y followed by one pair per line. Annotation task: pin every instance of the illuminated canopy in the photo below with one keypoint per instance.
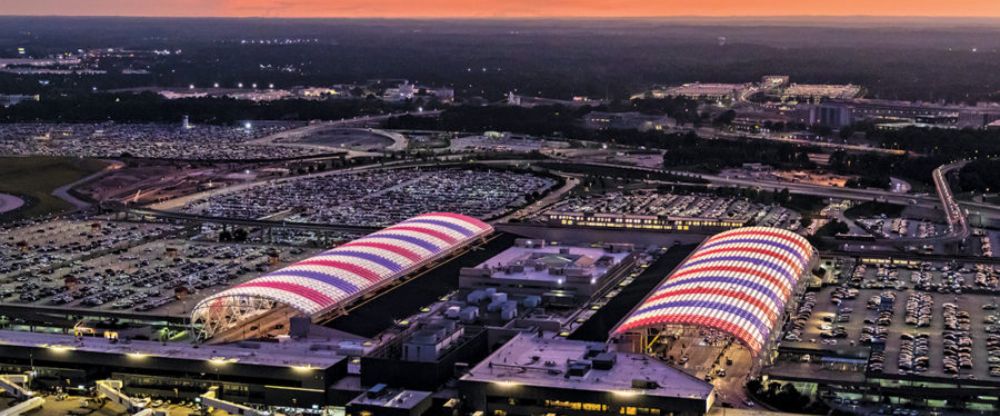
x,y
322,283
737,281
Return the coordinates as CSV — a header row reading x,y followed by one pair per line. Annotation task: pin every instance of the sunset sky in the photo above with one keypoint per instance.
x,y
500,8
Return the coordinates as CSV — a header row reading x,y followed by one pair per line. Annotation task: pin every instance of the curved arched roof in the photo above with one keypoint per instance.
x,y
322,282
737,281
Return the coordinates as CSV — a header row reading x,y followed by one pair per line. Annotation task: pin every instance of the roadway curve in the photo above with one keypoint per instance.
x,y
290,137
63,193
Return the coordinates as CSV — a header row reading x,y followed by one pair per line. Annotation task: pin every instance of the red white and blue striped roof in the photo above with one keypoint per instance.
x,y
737,281
321,282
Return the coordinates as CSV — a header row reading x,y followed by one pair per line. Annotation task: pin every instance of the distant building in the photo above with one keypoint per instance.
x,y
11,100
700,91
818,92
407,91
526,101
177,95
757,167
600,120
261,95
839,113
900,125
769,82
831,115
321,92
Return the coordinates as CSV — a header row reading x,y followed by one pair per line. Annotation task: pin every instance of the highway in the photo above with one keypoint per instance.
x,y
713,133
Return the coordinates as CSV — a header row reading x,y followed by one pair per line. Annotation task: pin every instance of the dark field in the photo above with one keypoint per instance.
x,y
34,179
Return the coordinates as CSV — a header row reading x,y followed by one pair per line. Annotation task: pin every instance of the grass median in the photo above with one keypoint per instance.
x,y
34,179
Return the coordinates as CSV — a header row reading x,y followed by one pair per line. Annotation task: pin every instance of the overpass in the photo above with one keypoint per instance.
x,y
958,223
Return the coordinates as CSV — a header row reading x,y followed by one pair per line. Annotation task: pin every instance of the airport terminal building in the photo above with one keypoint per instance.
x,y
320,286
297,368
739,282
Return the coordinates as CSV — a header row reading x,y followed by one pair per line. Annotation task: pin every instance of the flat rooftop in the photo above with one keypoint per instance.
x,y
513,254
293,353
393,399
527,360
705,89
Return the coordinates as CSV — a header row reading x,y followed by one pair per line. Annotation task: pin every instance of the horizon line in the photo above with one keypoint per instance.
x,y
518,17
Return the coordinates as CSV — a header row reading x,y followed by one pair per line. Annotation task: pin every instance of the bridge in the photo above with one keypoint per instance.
x,y
958,223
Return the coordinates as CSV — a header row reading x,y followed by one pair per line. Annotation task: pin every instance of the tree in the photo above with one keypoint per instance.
x,y
725,118
240,235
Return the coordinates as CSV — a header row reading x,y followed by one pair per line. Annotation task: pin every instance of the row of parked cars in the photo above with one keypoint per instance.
x,y
876,361
874,334
798,323
914,353
919,309
993,352
842,293
957,339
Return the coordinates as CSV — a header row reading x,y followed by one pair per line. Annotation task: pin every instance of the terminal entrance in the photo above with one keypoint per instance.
x,y
705,353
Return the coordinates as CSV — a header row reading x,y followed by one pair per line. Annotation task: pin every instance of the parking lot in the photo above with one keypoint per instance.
x,y
40,245
168,141
379,198
936,320
504,143
902,227
102,265
348,138
651,202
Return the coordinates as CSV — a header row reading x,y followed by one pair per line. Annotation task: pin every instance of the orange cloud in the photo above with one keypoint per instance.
x,y
604,8
503,8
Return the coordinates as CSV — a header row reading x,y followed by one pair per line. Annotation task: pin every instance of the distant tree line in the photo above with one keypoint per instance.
x,y
150,107
936,142
980,176
688,151
545,120
489,58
